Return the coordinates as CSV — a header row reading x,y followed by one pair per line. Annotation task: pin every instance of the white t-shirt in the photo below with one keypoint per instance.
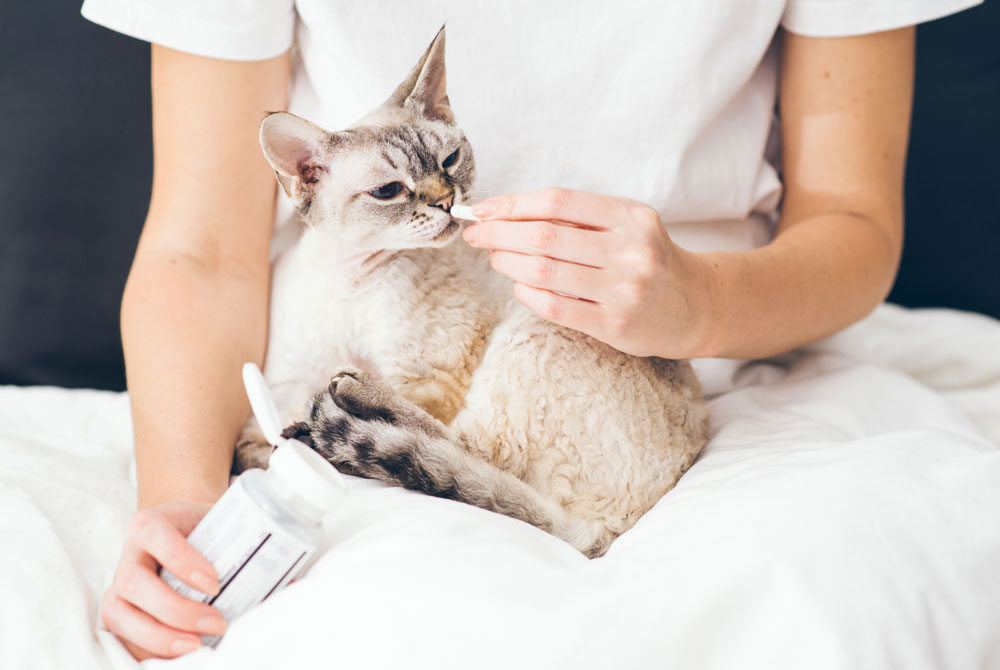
x,y
669,102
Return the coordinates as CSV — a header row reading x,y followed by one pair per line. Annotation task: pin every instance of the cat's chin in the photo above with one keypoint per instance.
x,y
443,237
447,234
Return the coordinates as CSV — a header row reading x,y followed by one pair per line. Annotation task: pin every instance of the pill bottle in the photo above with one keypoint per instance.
x,y
268,524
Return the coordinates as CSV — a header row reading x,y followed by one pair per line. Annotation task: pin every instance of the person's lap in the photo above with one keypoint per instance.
x,y
839,517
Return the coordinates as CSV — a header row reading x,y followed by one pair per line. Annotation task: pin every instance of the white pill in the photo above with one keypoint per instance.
x,y
463,212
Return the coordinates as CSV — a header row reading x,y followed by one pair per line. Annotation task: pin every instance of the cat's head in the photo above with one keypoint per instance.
x,y
388,181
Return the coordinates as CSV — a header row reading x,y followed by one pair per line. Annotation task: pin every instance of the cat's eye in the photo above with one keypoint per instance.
x,y
450,160
386,191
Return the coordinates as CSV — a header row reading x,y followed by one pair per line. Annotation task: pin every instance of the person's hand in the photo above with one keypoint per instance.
x,y
601,265
151,619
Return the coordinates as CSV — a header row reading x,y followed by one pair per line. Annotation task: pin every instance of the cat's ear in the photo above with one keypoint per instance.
x,y
424,89
297,150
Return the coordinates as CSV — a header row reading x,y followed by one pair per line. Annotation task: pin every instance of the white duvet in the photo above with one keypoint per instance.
x,y
846,514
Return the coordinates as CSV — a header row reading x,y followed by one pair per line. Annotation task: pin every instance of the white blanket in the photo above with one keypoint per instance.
x,y
846,514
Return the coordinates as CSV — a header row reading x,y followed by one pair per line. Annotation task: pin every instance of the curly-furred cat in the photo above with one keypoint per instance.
x,y
441,381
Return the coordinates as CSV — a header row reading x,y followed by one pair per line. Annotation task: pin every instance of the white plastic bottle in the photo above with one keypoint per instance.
x,y
267,526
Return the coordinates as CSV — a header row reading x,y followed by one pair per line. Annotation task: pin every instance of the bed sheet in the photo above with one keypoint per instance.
x,y
846,514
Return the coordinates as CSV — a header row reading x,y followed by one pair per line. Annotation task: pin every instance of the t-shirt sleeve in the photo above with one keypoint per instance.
x,y
230,29
839,18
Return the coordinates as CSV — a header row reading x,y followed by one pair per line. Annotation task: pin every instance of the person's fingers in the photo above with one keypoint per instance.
x,y
143,631
543,238
157,536
138,653
559,204
185,516
141,586
566,311
579,281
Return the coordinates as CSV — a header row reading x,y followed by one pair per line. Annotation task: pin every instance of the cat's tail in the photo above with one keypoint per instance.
x,y
425,458
467,477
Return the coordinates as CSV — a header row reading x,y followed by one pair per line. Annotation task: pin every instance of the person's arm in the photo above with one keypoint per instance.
x,y
845,109
195,305
194,310
845,117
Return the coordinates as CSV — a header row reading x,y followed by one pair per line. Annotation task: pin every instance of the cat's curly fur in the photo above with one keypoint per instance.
x,y
441,382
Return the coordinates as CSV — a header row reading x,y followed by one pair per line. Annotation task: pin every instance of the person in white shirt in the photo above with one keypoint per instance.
x,y
655,120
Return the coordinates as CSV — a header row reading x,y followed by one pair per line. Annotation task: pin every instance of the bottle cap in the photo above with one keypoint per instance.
x,y
308,474
262,403
302,469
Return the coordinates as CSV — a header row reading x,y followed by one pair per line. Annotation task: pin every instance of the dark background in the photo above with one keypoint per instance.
x,y
76,169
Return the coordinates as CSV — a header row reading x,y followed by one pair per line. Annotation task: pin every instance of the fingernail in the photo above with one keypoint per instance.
x,y
185,646
484,208
470,234
211,625
204,583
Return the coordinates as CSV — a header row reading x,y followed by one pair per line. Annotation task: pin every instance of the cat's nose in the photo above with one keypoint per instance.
x,y
445,202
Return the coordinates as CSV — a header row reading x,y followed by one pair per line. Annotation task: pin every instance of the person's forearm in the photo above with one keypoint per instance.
x,y
815,278
186,329
195,305
845,109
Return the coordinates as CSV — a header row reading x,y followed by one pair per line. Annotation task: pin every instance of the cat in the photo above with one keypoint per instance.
x,y
402,357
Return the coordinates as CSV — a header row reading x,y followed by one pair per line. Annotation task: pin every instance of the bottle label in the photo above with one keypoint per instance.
x,y
252,554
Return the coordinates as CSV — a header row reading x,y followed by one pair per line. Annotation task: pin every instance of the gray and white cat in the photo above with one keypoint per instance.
x,y
441,381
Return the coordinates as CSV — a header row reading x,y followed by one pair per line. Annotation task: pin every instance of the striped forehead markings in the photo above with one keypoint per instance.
x,y
412,145
387,159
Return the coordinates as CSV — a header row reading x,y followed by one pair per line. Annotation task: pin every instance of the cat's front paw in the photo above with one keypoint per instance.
x,y
361,425
298,431
332,434
364,396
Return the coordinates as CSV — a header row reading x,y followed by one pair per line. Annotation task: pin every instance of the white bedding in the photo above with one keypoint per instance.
x,y
846,514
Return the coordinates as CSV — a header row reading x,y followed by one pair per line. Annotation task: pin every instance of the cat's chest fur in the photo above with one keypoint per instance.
x,y
416,316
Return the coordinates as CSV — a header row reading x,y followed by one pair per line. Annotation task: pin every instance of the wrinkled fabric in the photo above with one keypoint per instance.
x,y
844,515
